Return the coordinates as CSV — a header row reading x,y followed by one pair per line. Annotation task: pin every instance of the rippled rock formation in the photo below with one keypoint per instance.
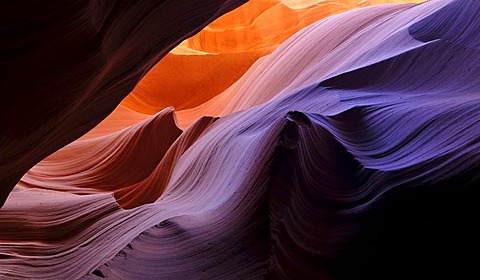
x,y
220,54
67,64
352,151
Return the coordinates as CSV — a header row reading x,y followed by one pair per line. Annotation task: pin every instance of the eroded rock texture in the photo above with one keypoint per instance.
x,y
350,151
67,64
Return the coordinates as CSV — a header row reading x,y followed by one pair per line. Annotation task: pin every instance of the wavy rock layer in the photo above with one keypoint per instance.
x,y
220,54
67,64
342,155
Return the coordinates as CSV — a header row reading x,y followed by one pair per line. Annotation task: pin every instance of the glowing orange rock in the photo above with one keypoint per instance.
x,y
208,63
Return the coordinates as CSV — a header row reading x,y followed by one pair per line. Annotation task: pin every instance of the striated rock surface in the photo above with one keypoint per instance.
x,y
65,66
221,53
352,151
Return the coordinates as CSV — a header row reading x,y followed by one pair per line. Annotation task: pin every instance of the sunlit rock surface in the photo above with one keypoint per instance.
x,y
65,65
220,54
351,151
